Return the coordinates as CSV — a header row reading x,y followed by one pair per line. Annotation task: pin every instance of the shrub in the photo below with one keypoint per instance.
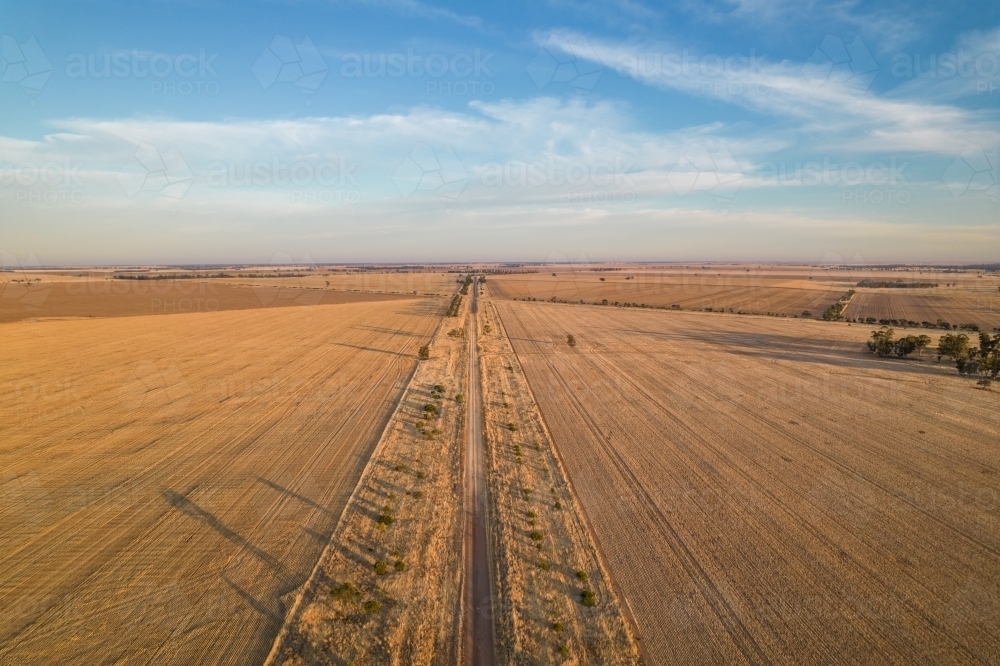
x,y
570,340
418,493
460,399
558,505
511,427
381,568
400,565
372,606
582,575
543,565
424,352
588,598
558,627
439,388
346,592
421,475
536,536
806,313
431,409
564,650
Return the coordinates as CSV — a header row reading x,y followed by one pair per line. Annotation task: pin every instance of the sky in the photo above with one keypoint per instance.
x,y
189,132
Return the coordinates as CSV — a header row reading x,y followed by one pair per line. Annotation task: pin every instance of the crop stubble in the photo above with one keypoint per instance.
x,y
167,479
766,492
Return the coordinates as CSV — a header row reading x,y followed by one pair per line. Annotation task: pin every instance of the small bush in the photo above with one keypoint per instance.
x,y
346,592
581,576
571,341
400,565
401,467
564,650
543,565
424,352
558,505
421,475
558,627
511,427
372,606
381,568
588,598
536,536
439,388
418,494
460,399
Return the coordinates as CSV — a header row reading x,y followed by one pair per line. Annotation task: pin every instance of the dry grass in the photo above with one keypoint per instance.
x,y
553,600
765,491
389,589
167,479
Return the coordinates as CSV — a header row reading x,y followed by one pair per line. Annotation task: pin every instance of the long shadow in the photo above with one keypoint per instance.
x,y
183,504
821,351
293,494
390,331
253,602
373,349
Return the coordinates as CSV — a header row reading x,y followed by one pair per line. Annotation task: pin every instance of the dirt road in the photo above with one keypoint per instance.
x,y
479,648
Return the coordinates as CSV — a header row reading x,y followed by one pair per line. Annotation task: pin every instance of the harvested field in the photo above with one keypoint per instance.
x,y
764,491
788,293
371,281
784,290
405,514
544,556
167,481
956,306
128,298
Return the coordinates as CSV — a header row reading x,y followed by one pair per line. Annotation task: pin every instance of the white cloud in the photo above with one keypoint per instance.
x,y
831,110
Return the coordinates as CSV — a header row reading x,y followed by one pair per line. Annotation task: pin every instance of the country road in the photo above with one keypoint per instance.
x,y
478,640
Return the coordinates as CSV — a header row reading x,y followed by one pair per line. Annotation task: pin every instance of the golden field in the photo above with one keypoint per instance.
x,y
765,491
167,479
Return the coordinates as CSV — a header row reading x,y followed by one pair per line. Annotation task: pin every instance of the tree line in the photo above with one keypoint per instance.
x,y
972,361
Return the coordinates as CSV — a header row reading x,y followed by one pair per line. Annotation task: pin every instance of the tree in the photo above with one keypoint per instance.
x,y
882,342
953,346
570,340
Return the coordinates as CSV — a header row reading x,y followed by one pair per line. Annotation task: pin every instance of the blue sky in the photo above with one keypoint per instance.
x,y
400,130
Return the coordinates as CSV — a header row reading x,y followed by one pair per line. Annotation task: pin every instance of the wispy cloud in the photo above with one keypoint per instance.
x,y
825,106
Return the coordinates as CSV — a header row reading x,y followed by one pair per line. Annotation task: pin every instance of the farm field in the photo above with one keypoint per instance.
x,y
763,491
422,282
785,290
167,480
956,306
103,297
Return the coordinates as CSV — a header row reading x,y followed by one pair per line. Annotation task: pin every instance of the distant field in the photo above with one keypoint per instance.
x,y
121,298
167,479
785,292
765,492
399,283
956,306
